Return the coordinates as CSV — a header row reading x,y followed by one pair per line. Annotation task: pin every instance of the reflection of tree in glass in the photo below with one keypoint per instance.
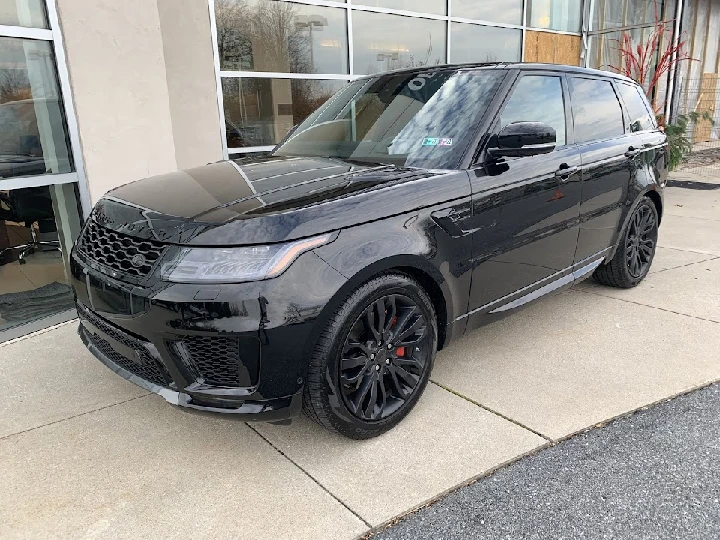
x,y
235,50
307,96
262,36
14,85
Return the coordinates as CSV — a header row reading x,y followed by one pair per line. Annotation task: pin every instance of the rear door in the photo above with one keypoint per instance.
x,y
641,121
525,209
611,155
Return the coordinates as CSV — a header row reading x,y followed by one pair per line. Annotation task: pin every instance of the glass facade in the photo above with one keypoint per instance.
x,y
280,59
478,43
561,15
39,203
611,19
33,140
260,111
281,37
25,13
384,42
500,11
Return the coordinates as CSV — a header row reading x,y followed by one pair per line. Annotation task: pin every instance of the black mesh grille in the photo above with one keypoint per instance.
x,y
216,359
147,368
124,254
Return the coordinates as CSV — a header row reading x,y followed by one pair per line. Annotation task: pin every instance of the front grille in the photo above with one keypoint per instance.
x,y
216,359
125,254
147,368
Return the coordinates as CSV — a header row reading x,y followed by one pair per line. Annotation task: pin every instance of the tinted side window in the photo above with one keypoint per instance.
x,y
596,110
640,118
537,98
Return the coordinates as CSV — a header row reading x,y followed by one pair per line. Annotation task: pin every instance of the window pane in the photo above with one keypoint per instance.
x,y
424,119
537,99
617,13
438,7
27,13
260,112
605,48
476,43
596,110
266,35
502,11
640,118
563,15
39,287
384,42
33,138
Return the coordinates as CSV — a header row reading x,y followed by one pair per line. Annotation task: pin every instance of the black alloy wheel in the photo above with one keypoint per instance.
x,y
636,249
373,357
641,240
384,357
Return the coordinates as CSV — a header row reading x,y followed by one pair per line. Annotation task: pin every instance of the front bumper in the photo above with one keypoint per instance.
x,y
266,410
238,349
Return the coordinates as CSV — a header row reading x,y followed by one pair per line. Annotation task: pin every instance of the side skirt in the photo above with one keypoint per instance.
x,y
564,278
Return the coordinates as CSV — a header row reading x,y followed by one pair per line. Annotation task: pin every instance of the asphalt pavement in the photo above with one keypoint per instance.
x,y
653,474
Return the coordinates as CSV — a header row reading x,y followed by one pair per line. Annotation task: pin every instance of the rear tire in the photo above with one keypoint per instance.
x,y
635,251
373,360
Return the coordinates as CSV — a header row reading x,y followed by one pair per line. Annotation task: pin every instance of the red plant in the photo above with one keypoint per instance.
x,y
646,63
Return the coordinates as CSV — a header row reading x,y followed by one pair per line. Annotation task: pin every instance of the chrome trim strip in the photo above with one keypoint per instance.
x,y
550,287
574,272
537,293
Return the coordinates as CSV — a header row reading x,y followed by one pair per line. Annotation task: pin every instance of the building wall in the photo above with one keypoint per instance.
x,y
190,75
143,86
552,48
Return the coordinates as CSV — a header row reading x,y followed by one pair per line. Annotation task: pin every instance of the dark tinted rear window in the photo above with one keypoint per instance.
x,y
640,117
596,110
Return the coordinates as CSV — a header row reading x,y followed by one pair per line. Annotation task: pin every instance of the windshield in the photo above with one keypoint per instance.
x,y
415,120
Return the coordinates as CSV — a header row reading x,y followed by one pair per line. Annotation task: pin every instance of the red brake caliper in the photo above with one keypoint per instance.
x,y
400,350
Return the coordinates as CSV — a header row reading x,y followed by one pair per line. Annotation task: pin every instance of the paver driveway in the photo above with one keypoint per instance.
x,y
86,454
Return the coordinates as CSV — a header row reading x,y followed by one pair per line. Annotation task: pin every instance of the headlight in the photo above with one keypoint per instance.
x,y
232,265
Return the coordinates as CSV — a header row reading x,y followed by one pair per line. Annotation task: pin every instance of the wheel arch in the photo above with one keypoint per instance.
x,y
413,266
655,197
649,193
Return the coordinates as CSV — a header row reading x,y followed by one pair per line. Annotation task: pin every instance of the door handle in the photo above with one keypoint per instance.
x,y
565,172
631,152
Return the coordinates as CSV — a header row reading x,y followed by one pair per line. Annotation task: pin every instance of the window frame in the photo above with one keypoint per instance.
x,y
626,110
623,112
53,35
506,91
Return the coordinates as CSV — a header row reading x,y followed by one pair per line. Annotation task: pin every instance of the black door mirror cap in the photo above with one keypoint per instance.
x,y
520,139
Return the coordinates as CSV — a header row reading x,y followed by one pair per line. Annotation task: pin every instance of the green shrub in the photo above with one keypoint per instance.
x,y
679,143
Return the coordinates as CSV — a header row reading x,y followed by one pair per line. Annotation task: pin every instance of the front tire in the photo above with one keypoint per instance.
x,y
635,252
373,360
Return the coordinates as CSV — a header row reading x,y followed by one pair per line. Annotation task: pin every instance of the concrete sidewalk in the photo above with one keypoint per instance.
x,y
84,453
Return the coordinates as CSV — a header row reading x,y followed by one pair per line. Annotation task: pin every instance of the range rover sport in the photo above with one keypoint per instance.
x,y
409,209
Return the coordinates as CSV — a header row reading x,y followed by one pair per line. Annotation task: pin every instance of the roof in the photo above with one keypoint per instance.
x,y
516,65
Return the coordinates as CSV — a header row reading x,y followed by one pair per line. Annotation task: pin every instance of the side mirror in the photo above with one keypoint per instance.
x,y
524,139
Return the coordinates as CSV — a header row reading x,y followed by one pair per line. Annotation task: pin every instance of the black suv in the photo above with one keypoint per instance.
x,y
411,208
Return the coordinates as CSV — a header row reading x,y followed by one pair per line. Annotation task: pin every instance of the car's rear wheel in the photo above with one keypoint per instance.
x,y
373,359
635,251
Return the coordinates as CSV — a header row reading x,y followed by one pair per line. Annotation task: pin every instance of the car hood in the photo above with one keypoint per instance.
x,y
270,199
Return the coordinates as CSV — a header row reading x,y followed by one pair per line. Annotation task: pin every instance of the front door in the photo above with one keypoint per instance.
x,y
525,209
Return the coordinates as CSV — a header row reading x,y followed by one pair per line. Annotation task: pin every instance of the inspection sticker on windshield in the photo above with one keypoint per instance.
x,y
437,141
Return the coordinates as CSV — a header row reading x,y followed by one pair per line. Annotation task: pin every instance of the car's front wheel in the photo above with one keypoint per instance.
x,y
373,360
635,251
